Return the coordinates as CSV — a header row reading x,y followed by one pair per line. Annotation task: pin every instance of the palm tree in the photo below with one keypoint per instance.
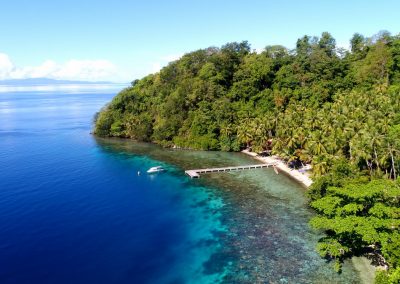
x,y
244,134
315,144
226,130
320,165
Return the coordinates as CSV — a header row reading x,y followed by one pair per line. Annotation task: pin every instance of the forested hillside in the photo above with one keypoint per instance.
x,y
316,103
336,109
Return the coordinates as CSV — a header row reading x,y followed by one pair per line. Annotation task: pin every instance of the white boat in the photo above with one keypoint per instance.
x,y
155,170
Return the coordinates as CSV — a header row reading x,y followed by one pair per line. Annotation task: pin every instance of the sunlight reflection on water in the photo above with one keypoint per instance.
x,y
69,88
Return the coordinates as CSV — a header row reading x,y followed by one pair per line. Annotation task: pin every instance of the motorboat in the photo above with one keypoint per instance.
x,y
155,170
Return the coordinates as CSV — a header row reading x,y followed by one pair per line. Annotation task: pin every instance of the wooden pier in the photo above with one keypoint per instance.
x,y
196,173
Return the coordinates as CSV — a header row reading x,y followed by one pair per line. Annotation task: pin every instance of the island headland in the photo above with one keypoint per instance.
x,y
324,110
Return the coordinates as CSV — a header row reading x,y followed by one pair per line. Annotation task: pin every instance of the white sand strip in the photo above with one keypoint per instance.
x,y
362,264
302,177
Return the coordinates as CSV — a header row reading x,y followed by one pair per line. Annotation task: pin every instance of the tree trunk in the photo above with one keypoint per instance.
x,y
376,158
369,164
393,166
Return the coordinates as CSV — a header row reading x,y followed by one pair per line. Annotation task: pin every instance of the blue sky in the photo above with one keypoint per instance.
x,y
123,40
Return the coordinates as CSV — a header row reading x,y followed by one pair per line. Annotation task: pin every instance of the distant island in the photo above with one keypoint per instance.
x,y
47,81
318,106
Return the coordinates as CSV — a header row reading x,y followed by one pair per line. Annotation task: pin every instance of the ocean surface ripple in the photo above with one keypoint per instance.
x,y
73,208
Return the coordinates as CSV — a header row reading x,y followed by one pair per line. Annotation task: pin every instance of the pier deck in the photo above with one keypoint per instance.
x,y
196,173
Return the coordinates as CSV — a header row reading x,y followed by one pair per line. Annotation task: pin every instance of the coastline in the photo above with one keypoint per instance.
x,y
362,264
301,177
268,221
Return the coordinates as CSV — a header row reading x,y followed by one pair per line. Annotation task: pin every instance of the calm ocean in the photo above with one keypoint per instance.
x,y
73,208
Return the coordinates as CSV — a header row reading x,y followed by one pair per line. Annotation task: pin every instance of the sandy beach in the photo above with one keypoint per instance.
x,y
362,264
301,177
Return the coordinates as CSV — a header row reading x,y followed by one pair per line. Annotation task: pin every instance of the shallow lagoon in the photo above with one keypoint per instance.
x,y
266,238
74,210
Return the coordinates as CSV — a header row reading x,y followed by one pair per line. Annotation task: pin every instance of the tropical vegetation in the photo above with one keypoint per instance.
x,y
336,109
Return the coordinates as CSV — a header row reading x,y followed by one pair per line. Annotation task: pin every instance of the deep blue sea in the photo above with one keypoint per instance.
x,y
73,208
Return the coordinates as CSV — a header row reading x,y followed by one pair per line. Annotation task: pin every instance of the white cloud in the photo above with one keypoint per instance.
x,y
6,66
90,70
87,69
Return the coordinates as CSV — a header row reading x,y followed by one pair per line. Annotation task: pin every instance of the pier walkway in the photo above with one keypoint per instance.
x,y
196,173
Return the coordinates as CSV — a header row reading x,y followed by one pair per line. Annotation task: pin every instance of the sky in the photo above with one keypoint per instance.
x,y
123,40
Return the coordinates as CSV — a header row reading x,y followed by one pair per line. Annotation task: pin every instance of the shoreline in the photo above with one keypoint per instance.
x,y
360,266
301,177
365,269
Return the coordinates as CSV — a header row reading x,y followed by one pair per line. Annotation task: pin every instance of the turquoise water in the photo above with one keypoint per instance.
x,y
73,208
264,216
